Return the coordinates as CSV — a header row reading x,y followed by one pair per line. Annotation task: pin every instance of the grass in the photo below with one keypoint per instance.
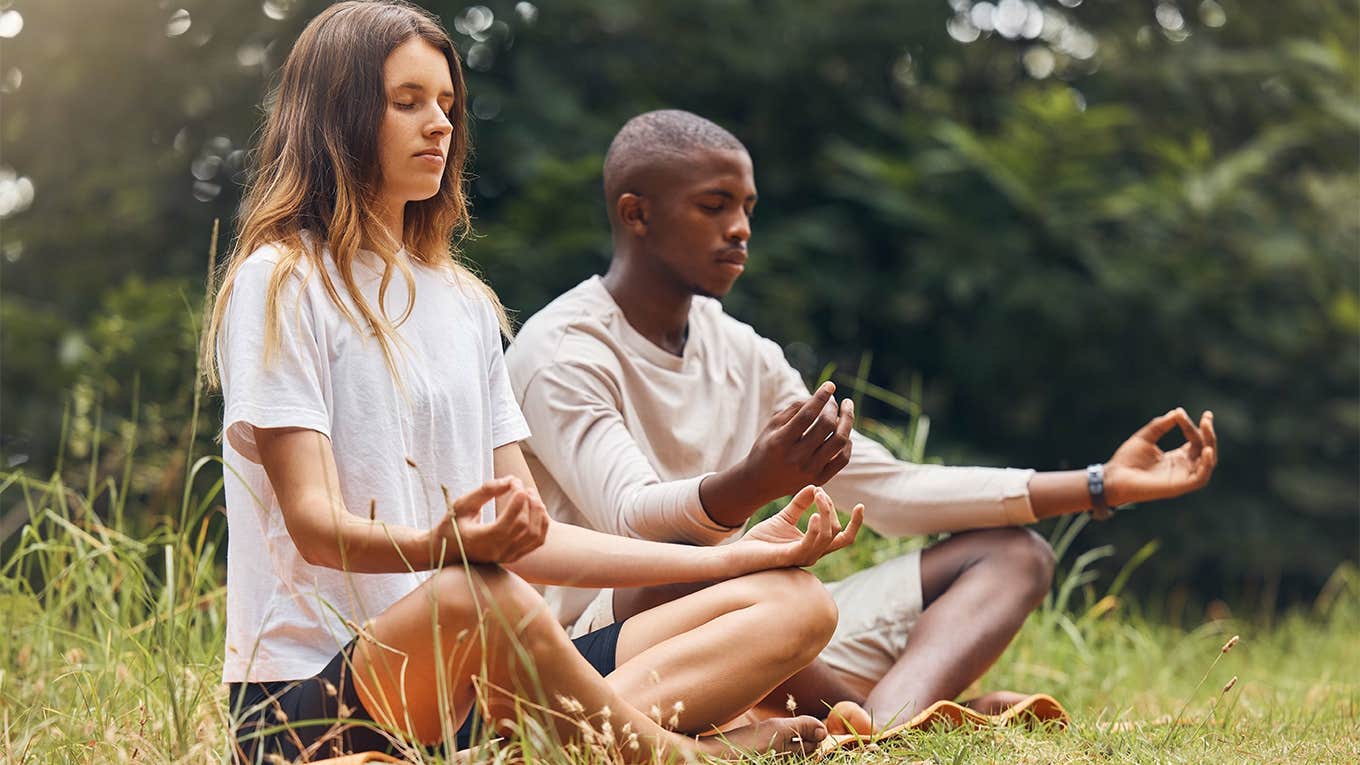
x,y
114,647
114,638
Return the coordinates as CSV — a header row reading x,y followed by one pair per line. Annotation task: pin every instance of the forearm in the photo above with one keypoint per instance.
x,y
730,497
578,557
1058,493
349,543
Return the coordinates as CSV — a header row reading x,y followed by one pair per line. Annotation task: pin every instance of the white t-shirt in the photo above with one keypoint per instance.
x,y
394,445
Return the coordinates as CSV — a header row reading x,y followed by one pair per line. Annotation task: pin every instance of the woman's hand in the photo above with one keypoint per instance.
x,y
777,543
520,527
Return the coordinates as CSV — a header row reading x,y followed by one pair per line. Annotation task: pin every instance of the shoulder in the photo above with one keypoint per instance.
x,y
258,268
574,329
577,318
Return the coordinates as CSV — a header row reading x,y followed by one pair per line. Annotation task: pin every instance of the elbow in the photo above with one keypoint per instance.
x,y
317,544
325,554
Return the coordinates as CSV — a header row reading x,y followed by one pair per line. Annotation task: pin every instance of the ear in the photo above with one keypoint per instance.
x,y
633,212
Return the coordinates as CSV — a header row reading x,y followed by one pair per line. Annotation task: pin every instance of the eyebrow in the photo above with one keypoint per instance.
x,y
421,88
725,194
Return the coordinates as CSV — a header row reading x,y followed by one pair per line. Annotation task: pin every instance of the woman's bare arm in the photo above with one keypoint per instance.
x,y
577,556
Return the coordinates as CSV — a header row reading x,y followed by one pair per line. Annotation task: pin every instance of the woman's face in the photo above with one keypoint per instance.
x,y
414,136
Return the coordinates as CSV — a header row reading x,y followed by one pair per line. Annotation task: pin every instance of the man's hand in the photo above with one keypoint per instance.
x,y
807,442
777,543
1140,471
520,527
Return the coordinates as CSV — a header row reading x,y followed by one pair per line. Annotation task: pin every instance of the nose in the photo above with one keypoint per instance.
x,y
739,231
439,124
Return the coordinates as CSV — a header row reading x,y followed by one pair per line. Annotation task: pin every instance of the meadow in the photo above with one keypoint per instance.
x,y
115,633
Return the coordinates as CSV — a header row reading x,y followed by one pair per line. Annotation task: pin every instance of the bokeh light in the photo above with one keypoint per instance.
x,y
16,192
178,24
527,11
1212,14
11,23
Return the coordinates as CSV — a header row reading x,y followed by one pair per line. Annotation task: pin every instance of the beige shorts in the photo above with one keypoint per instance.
x,y
878,608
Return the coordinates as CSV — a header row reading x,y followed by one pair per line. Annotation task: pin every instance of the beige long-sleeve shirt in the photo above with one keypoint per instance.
x,y
624,432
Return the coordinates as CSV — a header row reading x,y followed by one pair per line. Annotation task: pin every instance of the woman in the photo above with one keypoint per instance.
x,y
365,389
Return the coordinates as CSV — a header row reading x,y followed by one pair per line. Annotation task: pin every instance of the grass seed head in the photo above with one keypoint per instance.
x,y
790,704
570,705
1228,686
1228,646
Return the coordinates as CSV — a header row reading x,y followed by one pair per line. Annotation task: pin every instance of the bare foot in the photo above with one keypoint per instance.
x,y
796,735
848,717
996,702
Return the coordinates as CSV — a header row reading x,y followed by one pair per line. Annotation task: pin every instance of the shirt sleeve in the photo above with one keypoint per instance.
x,y
582,439
290,387
904,498
907,499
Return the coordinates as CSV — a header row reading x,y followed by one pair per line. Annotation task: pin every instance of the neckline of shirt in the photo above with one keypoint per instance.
x,y
638,343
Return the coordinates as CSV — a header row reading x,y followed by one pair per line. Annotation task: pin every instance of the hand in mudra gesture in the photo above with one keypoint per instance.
x,y
786,545
520,526
1141,471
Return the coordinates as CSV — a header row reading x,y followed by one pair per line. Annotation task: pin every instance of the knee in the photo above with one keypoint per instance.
x,y
804,605
1031,558
485,593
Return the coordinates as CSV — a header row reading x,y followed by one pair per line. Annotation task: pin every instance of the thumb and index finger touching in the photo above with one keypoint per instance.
x,y
1177,418
471,503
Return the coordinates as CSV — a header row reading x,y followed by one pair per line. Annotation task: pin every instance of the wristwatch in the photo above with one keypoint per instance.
x,y
1095,485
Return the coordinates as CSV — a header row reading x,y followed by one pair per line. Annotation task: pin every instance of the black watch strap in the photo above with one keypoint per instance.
x,y
1095,485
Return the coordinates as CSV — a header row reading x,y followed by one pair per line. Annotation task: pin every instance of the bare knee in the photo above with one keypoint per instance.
x,y
804,606
1030,557
484,593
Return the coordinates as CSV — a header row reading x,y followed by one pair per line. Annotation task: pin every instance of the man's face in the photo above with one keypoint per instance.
x,y
700,220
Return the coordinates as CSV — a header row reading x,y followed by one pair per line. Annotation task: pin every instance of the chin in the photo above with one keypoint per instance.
x,y
428,192
715,291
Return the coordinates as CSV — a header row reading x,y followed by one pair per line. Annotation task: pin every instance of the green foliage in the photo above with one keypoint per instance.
x,y
1148,204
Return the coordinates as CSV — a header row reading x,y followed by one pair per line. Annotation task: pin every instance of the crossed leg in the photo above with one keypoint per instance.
x,y
977,587
415,666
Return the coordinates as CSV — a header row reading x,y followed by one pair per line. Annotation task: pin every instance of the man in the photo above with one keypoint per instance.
x,y
656,415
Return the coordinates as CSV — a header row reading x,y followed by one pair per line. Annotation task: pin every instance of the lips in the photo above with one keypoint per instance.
x,y
733,257
432,154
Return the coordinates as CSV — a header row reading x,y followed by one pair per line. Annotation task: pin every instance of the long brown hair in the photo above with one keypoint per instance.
x,y
314,175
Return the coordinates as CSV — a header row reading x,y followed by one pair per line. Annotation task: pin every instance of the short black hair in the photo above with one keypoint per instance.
x,y
658,137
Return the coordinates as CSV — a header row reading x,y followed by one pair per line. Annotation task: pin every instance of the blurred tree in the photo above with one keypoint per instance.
x,y
1067,216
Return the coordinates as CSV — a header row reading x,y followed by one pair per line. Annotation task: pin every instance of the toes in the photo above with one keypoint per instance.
x,y
809,732
847,717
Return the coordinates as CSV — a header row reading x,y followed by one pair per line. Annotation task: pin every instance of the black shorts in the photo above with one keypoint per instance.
x,y
257,705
